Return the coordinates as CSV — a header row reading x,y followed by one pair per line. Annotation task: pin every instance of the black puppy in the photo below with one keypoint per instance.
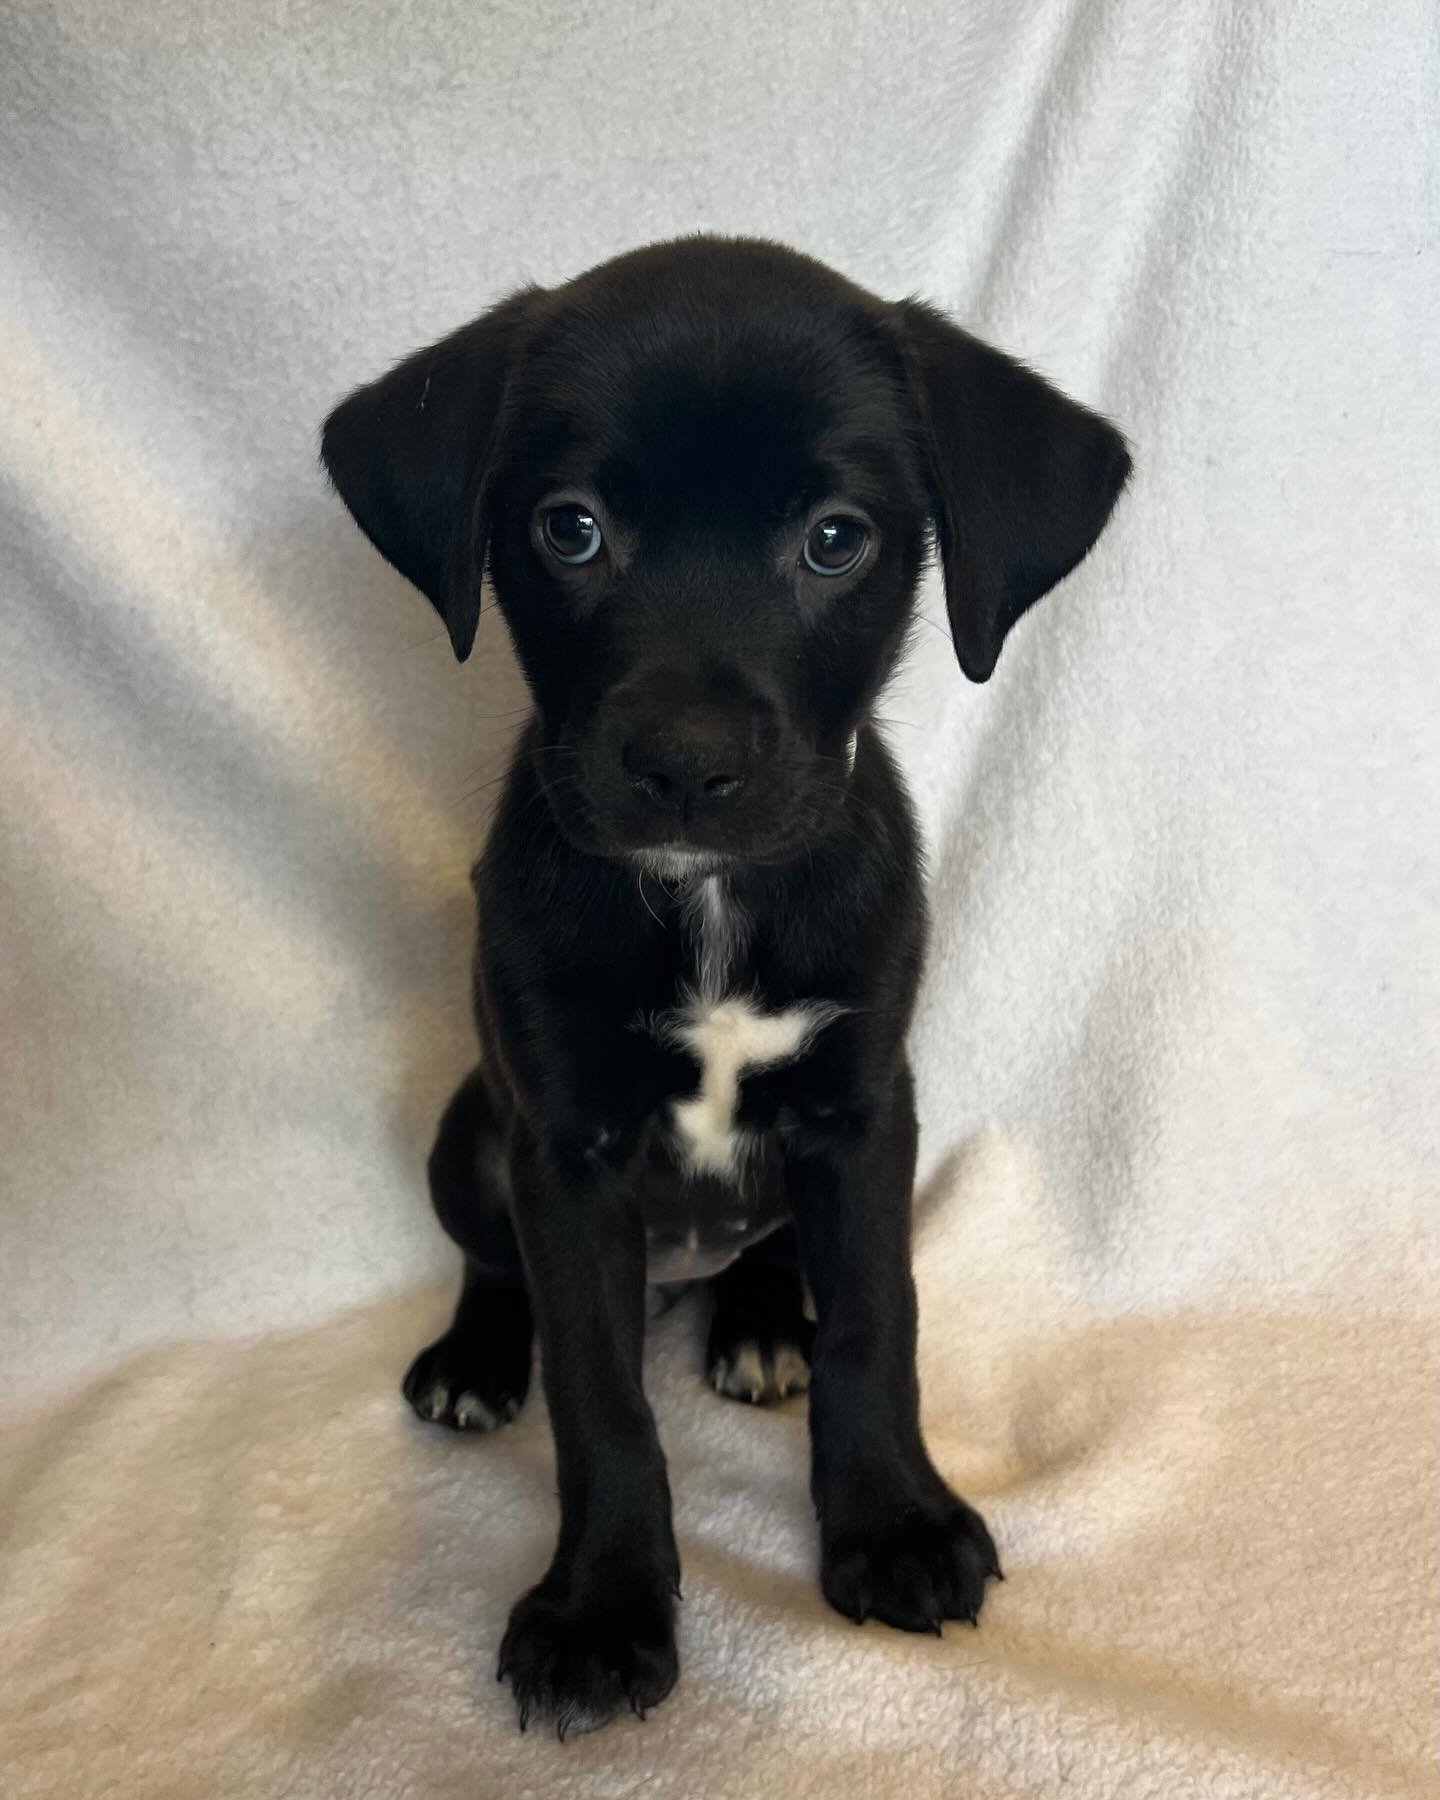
x,y
703,479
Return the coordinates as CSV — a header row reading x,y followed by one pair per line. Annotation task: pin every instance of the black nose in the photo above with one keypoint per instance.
x,y
685,769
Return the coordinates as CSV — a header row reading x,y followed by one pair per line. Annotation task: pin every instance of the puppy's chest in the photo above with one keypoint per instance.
x,y
724,1023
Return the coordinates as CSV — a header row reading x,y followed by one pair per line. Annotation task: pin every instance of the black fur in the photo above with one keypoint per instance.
x,y
700,780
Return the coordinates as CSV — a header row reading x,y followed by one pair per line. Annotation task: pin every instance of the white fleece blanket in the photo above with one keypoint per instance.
x,y
1178,1045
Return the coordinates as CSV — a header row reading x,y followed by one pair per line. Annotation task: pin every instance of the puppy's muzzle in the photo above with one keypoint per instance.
x,y
687,768
687,759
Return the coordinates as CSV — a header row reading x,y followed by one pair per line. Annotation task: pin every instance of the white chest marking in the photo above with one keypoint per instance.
x,y
730,1038
718,928
727,1033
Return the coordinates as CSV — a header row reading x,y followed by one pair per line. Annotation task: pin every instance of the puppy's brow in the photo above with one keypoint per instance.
x,y
620,484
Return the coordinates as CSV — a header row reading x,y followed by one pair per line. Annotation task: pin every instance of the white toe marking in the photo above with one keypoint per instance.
x,y
472,1414
435,1399
749,1376
747,1372
792,1372
743,1377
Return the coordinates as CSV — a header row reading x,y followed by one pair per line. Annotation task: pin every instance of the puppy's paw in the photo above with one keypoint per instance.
x,y
449,1383
912,1566
576,1663
760,1370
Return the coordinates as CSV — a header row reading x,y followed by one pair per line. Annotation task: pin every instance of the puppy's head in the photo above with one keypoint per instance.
x,y
703,479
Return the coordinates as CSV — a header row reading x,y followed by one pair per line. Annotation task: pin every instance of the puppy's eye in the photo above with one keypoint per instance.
x,y
571,534
835,546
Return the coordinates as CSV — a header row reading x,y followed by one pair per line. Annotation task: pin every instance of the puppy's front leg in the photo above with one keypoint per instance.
x,y
597,1634
895,1543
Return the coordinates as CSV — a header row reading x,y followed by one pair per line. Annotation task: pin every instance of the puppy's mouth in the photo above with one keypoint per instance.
x,y
681,822
682,853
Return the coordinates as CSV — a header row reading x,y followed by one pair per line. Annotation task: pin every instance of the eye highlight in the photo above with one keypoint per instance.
x,y
571,533
836,545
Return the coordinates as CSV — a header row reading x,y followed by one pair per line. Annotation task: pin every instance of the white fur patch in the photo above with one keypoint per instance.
x,y
675,865
729,1034
719,928
731,1038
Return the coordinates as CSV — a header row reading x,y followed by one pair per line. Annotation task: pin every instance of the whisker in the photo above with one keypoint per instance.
x,y
434,637
640,884
480,788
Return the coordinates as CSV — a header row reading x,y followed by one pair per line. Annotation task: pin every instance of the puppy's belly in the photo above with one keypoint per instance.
x,y
695,1226
669,1263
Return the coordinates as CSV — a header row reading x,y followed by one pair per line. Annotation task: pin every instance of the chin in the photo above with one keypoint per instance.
x,y
681,862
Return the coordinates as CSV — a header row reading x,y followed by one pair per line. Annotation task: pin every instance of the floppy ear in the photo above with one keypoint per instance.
x,y
1022,480
410,454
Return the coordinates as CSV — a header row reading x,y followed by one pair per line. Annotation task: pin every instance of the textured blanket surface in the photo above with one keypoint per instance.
x,y
1179,1041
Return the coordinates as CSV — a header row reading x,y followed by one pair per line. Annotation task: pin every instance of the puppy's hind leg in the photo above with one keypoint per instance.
x,y
476,1376
760,1338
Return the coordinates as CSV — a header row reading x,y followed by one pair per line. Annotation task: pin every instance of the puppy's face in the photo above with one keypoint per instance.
x,y
703,479
707,520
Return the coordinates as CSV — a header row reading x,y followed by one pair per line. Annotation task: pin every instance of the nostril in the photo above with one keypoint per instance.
x,y
680,772
643,775
653,786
